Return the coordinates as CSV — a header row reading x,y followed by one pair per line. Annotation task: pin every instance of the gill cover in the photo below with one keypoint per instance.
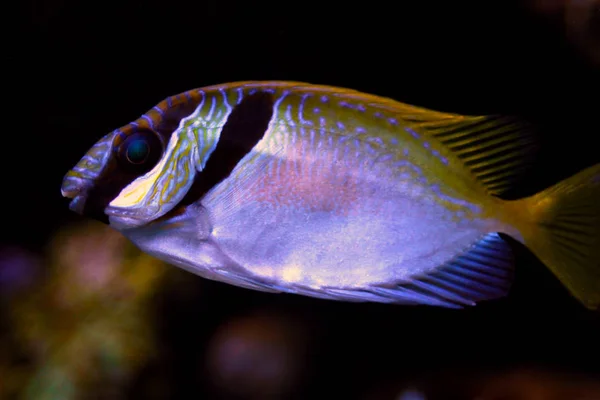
x,y
155,193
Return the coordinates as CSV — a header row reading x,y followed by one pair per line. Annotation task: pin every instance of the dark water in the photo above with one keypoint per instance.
x,y
76,71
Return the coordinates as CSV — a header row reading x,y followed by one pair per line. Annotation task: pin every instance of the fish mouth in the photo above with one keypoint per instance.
x,y
75,189
77,204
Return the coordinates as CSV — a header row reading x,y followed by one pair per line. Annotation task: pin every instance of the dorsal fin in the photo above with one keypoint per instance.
x,y
496,149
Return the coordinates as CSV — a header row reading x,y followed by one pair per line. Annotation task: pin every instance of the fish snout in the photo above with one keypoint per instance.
x,y
75,188
71,186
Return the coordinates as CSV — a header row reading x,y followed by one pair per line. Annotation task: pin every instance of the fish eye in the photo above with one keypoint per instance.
x,y
140,151
137,151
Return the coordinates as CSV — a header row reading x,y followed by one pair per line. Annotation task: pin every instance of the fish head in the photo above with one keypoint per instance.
x,y
138,178
139,172
109,167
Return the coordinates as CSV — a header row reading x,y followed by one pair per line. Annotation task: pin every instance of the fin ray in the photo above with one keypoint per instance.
x,y
496,149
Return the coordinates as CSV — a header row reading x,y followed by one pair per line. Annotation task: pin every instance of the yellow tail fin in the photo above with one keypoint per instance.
x,y
565,233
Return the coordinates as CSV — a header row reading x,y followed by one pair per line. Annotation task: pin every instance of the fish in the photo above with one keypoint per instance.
x,y
328,192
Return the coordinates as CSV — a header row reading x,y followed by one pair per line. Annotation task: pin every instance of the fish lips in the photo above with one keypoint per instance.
x,y
77,204
76,189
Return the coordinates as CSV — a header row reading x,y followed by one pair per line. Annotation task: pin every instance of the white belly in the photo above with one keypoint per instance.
x,y
335,228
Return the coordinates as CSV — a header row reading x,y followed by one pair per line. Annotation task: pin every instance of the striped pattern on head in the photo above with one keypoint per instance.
x,y
188,150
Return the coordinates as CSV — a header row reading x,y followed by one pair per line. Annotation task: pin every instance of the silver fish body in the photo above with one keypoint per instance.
x,y
343,196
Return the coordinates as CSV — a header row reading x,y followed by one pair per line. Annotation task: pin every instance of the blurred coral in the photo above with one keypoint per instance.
x,y
257,356
85,327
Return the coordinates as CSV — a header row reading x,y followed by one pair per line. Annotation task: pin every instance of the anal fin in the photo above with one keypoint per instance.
x,y
484,272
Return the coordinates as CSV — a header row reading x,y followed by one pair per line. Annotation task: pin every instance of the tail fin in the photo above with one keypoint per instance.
x,y
565,234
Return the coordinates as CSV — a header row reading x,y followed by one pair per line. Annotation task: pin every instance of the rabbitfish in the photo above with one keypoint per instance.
x,y
332,193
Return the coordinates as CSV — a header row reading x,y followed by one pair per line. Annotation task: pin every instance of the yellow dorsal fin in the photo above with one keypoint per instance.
x,y
497,149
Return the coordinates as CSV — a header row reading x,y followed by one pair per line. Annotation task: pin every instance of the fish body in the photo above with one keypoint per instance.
x,y
332,193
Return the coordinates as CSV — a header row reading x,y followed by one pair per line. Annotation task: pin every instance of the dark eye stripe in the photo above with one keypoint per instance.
x,y
245,127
